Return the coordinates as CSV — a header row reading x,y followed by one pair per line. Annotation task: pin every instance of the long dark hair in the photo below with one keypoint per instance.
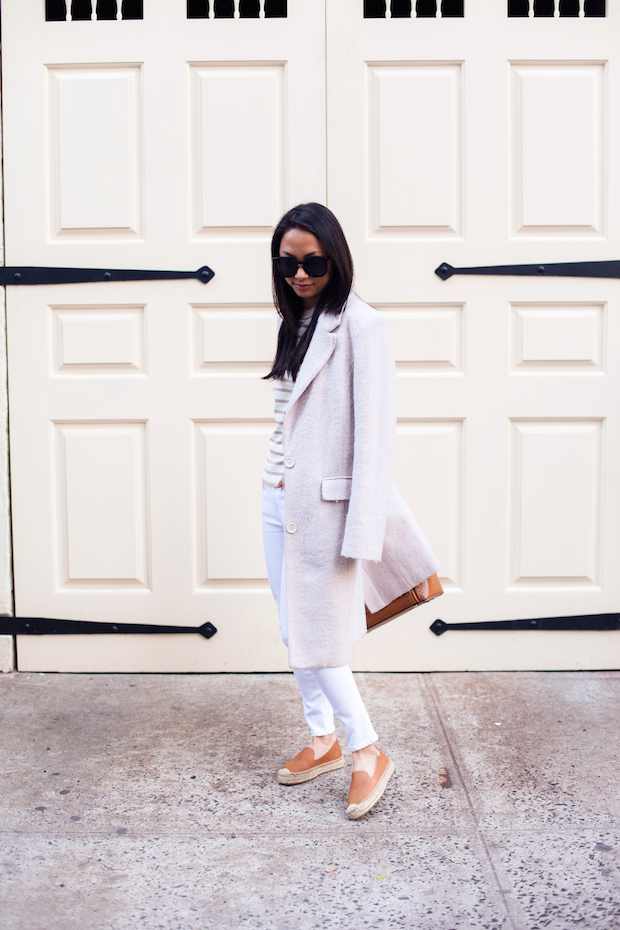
x,y
321,222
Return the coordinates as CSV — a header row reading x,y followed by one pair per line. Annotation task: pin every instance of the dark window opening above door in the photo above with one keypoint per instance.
x,y
106,9
84,10
236,9
55,11
132,9
413,9
560,8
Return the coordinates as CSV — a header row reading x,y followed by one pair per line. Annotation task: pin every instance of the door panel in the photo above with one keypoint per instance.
x,y
403,104
139,422
476,141
558,122
95,160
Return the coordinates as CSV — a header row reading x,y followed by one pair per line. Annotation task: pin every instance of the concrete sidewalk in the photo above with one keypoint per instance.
x,y
150,801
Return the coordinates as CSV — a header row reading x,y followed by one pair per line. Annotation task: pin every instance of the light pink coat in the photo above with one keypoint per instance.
x,y
350,538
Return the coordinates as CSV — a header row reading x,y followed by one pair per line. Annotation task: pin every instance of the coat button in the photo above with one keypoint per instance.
x,y
289,462
291,527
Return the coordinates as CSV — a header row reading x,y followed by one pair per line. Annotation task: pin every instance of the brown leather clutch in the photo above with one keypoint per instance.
x,y
405,602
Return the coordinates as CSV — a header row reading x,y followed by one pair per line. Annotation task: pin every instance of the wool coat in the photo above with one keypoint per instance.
x,y
350,538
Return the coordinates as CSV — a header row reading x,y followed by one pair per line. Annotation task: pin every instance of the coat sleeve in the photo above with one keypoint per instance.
x,y
374,412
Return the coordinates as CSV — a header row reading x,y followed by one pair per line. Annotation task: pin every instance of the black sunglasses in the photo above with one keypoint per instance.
x,y
315,266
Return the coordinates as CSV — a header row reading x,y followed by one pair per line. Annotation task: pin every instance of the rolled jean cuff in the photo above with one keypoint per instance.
x,y
372,738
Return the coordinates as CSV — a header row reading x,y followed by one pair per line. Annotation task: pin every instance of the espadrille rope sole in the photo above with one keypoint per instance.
x,y
355,811
296,778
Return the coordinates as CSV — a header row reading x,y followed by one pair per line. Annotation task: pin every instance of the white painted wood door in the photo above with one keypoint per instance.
x,y
138,419
139,422
477,141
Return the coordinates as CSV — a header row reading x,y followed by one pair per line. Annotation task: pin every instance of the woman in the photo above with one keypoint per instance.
x,y
337,534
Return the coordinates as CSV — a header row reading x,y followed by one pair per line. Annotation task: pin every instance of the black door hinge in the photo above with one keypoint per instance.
x,y
582,622
555,270
30,275
42,626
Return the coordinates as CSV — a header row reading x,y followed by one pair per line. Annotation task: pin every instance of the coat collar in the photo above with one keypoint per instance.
x,y
319,351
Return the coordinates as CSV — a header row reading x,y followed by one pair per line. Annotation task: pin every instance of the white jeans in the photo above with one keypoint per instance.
x,y
323,690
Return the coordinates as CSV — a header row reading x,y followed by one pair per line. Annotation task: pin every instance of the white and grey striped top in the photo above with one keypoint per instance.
x,y
273,470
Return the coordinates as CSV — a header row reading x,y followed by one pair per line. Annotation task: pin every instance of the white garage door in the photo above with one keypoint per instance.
x,y
138,419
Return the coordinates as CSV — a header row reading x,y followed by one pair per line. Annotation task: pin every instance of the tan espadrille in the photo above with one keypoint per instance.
x,y
305,767
367,789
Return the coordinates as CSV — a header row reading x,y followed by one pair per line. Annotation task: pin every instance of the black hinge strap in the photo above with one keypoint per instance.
x,y
556,270
583,622
24,274
41,626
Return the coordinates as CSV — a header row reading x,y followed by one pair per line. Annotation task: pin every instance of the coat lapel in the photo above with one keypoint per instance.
x,y
319,351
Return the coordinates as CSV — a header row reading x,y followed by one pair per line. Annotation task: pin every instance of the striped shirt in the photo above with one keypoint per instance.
x,y
273,471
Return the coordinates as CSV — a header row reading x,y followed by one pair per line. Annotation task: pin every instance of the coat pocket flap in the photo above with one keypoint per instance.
x,y
336,489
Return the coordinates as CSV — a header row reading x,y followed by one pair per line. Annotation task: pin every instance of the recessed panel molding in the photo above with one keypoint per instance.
x,y
234,339
558,149
95,167
415,180
428,471
103,341
229,460
101,506
426,339
556,501
558,338
238,174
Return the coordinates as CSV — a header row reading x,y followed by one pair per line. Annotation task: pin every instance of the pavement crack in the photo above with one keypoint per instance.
x,y
434,698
